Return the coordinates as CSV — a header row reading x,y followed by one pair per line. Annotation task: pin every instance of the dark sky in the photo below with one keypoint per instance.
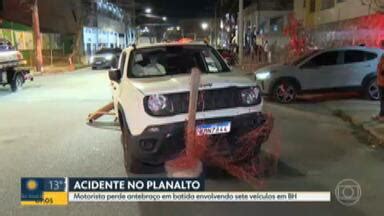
x,y
175,10
179,8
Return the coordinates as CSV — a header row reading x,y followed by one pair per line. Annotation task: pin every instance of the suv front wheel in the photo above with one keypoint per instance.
x,y
284,92
130,163
133,165
372,90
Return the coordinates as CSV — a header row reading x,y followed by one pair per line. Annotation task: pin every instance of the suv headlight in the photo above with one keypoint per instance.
x,y
250,96
158,105
263,75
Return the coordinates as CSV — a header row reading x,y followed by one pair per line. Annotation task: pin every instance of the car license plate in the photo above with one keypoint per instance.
x,y
98,62
211,129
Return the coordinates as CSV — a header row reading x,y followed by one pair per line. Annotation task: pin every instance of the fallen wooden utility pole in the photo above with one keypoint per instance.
x,y
106,110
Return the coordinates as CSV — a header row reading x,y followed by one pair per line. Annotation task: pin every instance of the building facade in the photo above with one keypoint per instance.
x,y
318,12
331,23
101,23
268,16
264,21
107,26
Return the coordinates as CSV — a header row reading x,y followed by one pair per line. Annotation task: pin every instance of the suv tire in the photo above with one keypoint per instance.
x,y
131,164
284,92
17,83
371,90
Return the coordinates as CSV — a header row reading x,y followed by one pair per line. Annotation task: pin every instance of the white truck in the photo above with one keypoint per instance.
x,y
10,71
151,96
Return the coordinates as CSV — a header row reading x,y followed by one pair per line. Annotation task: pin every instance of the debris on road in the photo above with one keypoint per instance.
x,y
105,110
242,159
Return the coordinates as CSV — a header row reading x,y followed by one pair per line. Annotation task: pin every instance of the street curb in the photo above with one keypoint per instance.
x,y
375,134
378,139
47,73
371,131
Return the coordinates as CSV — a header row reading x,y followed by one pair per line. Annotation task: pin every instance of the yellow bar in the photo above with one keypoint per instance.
x,y
49,199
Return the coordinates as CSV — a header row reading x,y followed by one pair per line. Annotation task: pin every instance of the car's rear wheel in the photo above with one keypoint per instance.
x,y
372,91
284,92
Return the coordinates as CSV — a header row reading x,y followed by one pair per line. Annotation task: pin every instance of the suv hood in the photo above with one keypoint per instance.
x,y
180,83
104,55
276,68
9,56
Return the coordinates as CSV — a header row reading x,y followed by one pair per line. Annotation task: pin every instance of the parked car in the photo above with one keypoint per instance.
x,y
228,55
106,58
150,91
10,71
347,68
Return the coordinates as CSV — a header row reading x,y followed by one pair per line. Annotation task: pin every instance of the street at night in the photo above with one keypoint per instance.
x,y
47,135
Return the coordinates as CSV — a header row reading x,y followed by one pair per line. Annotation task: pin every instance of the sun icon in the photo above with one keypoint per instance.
x,y
31,185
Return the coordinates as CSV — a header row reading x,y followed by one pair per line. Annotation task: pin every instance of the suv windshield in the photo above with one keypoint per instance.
x,y
5,45
174,60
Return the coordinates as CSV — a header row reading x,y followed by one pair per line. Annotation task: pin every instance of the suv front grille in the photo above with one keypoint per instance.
x,y
99,59
208,100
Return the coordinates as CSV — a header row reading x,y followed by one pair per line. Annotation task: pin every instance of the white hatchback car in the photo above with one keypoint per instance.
x,y
347,68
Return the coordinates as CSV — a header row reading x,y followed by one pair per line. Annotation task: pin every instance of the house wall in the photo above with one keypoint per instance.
x,y
334,23
340,10
268,22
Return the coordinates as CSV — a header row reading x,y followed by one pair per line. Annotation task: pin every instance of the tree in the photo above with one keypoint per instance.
x,y
79,15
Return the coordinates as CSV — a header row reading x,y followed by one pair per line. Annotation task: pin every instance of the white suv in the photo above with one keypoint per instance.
x,y
348,68
151,94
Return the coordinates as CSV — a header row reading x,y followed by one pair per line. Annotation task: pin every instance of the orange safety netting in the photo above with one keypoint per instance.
x,y
244,162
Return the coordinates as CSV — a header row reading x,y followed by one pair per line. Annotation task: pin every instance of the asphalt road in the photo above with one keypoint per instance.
x,y
43,133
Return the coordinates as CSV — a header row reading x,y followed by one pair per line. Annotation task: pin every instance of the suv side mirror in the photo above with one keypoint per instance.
x,y
114,75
